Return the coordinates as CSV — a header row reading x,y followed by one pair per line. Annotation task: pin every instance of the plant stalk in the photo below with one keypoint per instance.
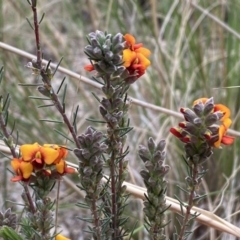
x,y
37,36
113,192
190,201
47,79
96,219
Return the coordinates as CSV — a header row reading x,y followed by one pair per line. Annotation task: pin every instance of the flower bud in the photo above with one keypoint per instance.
x,y
198,109
144,153
117,39
208,107
211,119
106,104
188,114
161,145
97,52
151,145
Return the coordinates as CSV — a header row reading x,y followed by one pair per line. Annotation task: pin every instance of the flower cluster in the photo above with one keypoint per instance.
x,y
198,124
48,159
225,123
109,54
135,57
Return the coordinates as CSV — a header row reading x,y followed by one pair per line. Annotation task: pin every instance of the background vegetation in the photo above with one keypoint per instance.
x,y
195,53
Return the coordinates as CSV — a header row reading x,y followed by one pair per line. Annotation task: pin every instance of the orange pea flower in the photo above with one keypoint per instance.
x,y
62,168
35,157
22,169
62,151
38,155
135,57
61,237
225,120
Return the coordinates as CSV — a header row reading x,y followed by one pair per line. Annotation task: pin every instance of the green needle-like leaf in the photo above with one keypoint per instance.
x,y
40,98
41,19
64,135
6,103
61,85
64,94
49,120
96,121
48,105
1,74
30,24
48,65
98,99
29,84
57,66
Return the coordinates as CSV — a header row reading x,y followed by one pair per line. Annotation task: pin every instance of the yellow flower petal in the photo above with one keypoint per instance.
x,y
15,163
26,169
144,51
128,57
62,151
222,130
29,150
143,60
62,154
49,154
61,237
61,166
227,123
222,108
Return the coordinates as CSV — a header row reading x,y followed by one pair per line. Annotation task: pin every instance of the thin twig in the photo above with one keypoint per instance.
x,y
97,223
96,85
190,203
46,78
36,30
60,109
114,198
